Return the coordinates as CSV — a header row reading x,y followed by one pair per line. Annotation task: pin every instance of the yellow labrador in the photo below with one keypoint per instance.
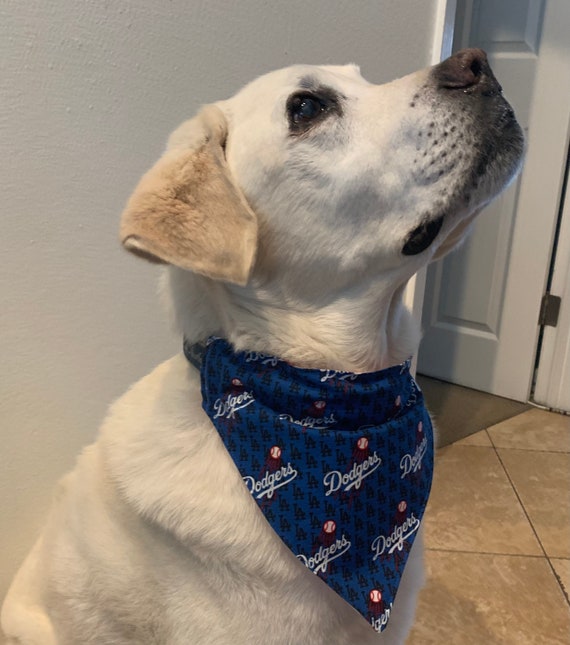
x,y
291,217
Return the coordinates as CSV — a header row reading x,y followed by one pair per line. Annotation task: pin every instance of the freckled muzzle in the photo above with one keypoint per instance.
x,y
468,146
466,87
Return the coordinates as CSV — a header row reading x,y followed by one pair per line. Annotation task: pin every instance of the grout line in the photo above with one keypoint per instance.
x,y
532,527
565,592
520,501
493,553
559,581
550,452
496,447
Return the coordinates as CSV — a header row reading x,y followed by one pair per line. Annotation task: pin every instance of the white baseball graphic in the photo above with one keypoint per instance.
x,y
362,443
375,595
329,527
402,506
275,452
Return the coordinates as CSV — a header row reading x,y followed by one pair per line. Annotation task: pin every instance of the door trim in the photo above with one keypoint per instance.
x,y
442,45
552,386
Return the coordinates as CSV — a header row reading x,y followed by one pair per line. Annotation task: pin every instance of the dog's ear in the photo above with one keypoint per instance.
x,y
187,210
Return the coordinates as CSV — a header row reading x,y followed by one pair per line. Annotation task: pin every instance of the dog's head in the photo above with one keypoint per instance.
x,y
313,175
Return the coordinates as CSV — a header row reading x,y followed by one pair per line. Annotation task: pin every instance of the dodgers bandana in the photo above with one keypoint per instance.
x,y
340,464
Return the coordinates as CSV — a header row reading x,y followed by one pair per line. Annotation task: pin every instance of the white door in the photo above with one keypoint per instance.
x,y
482,303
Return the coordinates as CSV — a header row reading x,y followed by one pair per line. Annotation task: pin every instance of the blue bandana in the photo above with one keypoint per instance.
x,y
339,463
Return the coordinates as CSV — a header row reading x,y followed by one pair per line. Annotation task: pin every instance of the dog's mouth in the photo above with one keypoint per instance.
x,y
422,237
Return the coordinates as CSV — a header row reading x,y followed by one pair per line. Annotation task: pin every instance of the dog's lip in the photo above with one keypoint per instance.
x,y
422,236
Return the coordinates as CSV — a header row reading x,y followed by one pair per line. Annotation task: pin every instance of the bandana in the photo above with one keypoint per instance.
x,y
340,464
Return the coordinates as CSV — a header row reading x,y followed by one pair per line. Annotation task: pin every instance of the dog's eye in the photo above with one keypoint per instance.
x,y
305,108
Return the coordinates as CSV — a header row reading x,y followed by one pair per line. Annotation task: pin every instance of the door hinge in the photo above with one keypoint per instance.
x,y
549,310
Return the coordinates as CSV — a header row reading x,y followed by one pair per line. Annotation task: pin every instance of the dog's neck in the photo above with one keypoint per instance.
x,y
361,331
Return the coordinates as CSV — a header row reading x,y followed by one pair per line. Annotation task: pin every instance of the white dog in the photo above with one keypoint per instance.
x,y
291,217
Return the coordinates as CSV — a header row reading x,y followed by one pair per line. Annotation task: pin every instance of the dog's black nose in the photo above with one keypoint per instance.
x,y
467,70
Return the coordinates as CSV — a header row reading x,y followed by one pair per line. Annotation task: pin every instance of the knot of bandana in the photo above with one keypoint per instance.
x,y
339,463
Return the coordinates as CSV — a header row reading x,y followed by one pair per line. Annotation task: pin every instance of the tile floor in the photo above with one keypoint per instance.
x,y
497,533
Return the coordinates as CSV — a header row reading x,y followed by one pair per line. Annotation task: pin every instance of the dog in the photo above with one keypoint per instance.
x,y
290,218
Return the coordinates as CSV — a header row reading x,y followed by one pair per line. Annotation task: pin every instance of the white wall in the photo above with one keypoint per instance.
x,y
89,91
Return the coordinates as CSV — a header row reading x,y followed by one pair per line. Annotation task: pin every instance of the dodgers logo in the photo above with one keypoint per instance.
x,y
378,623
389,543
335,480
264,359
412,463
237,399
316,417
319,562
340,376
270,482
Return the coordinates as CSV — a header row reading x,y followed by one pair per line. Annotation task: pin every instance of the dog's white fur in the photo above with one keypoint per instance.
x,y
153,538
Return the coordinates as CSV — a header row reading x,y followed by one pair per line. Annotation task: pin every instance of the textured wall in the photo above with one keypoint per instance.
x,y
90,89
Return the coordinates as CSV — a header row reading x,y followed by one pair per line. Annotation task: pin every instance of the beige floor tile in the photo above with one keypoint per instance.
x,y
533,430
482,599
473,506
542,480
562,568
480,438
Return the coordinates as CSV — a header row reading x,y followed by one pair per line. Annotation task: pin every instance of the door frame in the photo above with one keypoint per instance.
x,y
442,46
552,385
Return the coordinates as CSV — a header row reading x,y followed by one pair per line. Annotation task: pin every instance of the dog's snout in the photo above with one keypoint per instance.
x,y
467,70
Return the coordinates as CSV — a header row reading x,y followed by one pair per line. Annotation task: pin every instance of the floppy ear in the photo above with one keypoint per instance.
x,y
187,211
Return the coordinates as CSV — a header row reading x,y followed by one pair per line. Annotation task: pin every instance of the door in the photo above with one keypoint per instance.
x,y
482,303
